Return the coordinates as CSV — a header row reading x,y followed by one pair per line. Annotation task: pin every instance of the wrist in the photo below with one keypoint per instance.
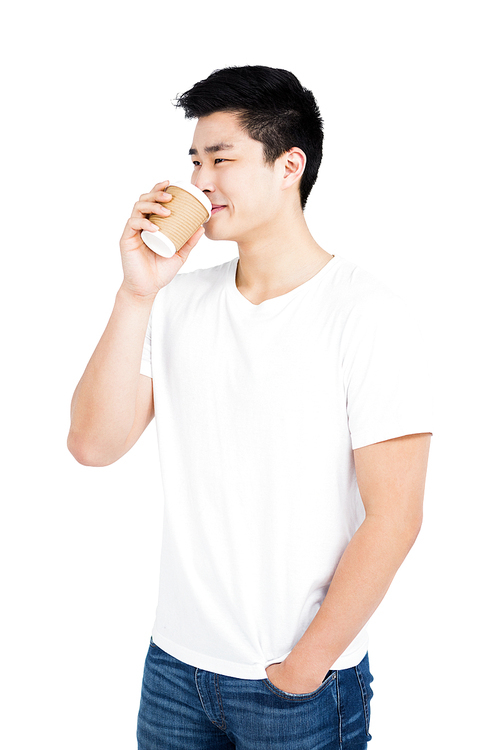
x,y
129,297
313,666
288,676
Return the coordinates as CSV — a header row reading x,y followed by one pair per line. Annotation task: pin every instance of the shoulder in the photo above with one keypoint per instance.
x,y
363,296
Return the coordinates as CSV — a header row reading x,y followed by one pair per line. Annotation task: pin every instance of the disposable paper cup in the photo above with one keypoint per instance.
x,y
190,208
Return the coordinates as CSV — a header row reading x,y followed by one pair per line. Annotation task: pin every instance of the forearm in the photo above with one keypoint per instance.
x,y
361,581
104,402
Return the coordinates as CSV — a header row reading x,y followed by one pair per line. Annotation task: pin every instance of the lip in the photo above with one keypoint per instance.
x,y
216,209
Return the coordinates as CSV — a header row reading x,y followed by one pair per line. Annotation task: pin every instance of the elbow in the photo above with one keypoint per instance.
x,y
86,453
414,531
409,528
402,529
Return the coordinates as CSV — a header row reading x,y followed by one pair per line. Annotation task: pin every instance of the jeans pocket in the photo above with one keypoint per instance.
x,y
300,697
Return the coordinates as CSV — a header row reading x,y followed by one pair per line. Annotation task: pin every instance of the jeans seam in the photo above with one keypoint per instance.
x,y
364,698
219,701
200,695
339,711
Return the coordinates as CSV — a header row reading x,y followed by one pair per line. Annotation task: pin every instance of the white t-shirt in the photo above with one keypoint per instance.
x,y
258,409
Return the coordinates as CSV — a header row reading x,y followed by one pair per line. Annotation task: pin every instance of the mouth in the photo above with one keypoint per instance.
x,y
216,209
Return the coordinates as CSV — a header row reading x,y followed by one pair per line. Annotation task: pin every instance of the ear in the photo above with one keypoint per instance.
x,y
294,163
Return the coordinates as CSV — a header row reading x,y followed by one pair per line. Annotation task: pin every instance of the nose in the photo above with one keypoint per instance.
x,y
203,180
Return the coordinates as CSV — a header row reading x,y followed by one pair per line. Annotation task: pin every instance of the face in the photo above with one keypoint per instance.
x,y
229,167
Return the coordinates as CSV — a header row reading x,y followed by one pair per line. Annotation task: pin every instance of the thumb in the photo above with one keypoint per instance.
x,y
192,241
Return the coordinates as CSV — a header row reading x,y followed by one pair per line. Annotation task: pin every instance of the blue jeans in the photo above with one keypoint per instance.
x,y
184,708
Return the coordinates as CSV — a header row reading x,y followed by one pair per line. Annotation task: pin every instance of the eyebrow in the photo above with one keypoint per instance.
x,y
212,149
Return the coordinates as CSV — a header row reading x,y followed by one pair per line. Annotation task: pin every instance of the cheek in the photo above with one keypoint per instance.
x,y
254,191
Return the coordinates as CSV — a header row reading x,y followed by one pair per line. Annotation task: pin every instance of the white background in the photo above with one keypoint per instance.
x,y
409,189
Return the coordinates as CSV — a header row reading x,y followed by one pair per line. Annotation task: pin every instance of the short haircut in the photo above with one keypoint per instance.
x,y
271,105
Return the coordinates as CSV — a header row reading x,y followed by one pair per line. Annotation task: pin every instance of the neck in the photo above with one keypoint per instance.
x,y
283,255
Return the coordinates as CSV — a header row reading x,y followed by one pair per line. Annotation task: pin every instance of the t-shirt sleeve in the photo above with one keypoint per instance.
x,y
146,368
386,372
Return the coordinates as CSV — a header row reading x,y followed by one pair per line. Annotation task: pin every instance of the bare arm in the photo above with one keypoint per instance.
x,y
391,479
113,403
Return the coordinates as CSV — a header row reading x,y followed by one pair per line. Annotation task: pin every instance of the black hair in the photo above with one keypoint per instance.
x,y
271,105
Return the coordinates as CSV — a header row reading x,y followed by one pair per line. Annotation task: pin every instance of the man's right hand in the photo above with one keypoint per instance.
x,y
145,272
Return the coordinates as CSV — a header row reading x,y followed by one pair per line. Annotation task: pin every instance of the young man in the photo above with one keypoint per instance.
x,y
293,435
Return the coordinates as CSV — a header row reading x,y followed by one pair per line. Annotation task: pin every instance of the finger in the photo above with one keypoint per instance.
x,y
135,224
144,208
188,246
156,195
160,186
159,197
162,196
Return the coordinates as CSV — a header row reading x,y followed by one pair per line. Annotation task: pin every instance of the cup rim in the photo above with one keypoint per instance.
x,y
195,192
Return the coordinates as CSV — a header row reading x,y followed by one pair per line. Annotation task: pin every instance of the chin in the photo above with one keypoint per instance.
x,y
213,234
